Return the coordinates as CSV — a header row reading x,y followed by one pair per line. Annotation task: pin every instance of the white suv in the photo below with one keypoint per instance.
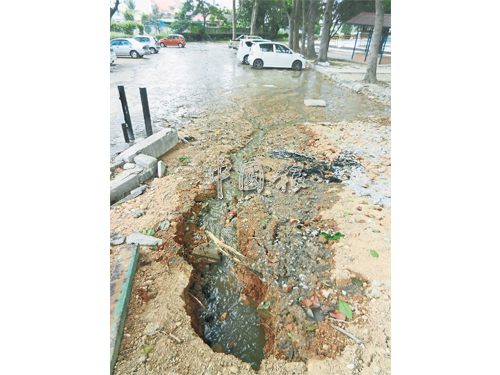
x,y
275,55
244,48
150,41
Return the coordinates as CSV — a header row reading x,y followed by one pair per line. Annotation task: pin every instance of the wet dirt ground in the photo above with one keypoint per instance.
x,y
178,302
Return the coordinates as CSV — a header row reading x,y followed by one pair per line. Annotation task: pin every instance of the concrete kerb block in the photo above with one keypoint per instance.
x,y
122,279
162,167
123,183
155,145
145,161
147,174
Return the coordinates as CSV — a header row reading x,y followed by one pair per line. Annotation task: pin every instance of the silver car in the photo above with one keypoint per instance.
x,y
129,47
151,41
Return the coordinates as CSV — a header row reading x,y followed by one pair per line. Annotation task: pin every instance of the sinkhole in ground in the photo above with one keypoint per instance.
x,y
225,322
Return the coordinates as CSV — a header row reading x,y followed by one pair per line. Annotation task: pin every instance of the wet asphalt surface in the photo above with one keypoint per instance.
x,y
188,83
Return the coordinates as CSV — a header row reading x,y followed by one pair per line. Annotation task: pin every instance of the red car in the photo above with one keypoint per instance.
x,y
173,40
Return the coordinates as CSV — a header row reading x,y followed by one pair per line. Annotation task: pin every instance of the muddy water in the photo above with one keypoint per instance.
x,y
241,333
187,83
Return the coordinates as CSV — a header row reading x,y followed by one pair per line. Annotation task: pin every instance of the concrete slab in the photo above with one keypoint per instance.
x,y
145,161
155,145
143,239
314,103
133,194
122,279
147,174
113,166
123,183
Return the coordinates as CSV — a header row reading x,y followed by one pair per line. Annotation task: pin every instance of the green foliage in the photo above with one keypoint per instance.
x,y
130,4
156,16
128,15
113,35
345,308
126,27
149,232
346,29
180,25
387,6
373,253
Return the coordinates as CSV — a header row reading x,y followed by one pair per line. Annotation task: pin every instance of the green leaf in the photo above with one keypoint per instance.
x,y
183,158
336,236
357,281
376,231
311,328
373,253
345,308
289,334
147,349
276,217
263,221
144,231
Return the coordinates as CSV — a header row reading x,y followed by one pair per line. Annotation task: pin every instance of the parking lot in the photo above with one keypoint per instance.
x,y
188,83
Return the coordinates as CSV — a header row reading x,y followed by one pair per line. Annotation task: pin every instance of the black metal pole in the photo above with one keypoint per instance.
x,y
126,114
145,111
125,135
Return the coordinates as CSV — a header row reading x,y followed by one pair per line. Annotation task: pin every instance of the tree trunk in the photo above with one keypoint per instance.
x,y
296,22
371,69
304,24
234,19
313,11
254,16
291,25
325,32
113,10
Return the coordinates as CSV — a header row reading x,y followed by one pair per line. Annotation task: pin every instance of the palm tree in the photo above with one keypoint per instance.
x,y
156,15
130,5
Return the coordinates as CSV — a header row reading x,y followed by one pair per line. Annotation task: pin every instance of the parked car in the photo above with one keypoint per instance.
x,y
236,41
173,40
151,41
129,47
112,56
275,55
244,48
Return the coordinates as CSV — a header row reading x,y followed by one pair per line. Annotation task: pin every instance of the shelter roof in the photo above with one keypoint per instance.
x,y
368,19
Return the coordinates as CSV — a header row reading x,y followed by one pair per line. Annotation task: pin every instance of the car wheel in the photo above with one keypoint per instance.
x,y
134,54
162,44
152,50
180,45
245,60
297,65
258,64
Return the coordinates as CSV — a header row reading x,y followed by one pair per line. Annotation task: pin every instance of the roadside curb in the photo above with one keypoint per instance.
x,y
122,279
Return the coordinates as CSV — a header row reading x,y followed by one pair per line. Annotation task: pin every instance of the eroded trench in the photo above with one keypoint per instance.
x,y
244,313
